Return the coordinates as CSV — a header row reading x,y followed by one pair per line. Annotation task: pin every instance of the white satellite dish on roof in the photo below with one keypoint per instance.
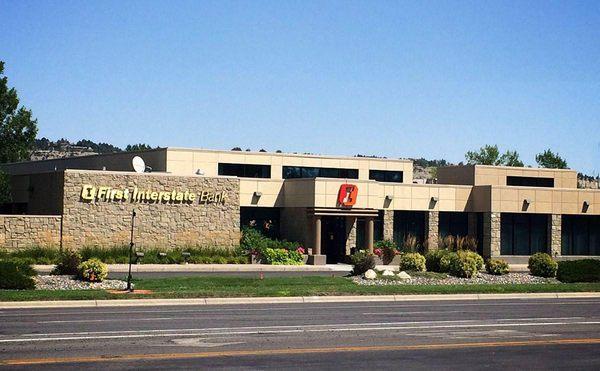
x,y
138,164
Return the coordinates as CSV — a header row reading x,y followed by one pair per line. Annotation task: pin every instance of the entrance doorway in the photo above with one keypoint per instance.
x,y
333,238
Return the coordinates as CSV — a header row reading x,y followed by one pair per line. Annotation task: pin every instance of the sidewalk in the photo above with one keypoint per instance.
x,y
289,300
138,268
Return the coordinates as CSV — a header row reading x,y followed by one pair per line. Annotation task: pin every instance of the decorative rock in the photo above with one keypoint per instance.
x,y
404,276
387,273
370,274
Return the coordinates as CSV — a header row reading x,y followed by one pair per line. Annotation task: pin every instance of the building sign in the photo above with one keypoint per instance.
x,y
347,195
90,193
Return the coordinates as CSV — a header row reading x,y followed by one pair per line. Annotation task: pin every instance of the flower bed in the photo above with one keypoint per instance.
x,y
418,278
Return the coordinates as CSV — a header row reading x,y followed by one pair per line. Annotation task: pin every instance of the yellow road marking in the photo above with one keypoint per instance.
x,y
269,352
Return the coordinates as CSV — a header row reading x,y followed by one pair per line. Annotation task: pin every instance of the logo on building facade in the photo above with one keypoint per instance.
x,y
347,195
90,193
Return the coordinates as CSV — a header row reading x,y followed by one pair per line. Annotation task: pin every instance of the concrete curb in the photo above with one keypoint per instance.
x,y
287,300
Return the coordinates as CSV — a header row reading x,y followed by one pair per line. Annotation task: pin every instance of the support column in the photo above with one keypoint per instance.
x,y
316,258
555,234
491,235
350,234
370,233
388,225
432,227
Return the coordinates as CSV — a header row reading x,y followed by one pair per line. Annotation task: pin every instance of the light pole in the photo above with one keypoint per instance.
x,y
129,288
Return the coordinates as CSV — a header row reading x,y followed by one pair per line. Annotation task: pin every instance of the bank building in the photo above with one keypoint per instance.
x,y
331,205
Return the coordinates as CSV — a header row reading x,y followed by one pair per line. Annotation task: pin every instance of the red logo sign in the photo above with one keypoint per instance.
x,y
347,195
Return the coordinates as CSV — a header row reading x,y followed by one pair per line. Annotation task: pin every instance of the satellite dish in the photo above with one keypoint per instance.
x,y
138,164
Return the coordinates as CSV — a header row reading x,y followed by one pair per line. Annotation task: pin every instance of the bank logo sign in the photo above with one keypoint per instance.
x,y
91,193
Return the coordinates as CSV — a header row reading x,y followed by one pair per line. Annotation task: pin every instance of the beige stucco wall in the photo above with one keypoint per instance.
x,y
545,200
19,231
187,161
496,175
161,224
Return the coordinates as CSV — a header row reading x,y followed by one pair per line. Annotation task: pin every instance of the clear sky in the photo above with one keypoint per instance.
x,y
396,79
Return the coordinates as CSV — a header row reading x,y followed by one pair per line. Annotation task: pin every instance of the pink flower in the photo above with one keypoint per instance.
x,y
378,252
300,250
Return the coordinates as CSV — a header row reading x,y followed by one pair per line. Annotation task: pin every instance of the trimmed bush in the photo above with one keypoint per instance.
x,y
16,276
388,249
438,260
465,264
68,263
583,270
496,267
362,261
412,262
281,257
542,265
93,270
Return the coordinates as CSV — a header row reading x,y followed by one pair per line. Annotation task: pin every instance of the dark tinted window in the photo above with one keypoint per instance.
x,y
580,235
386,176
523,234
290,172
453,224
245,170
527,181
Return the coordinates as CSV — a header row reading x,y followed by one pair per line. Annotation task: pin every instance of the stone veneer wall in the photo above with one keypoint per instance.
x,y
432,229
350,233
18,231
388,225
158,224
555,234
491,234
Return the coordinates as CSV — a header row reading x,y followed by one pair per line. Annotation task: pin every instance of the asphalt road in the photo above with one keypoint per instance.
x,y
485,334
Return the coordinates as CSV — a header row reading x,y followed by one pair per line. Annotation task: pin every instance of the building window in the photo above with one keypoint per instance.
x,y
580,235
291,172
454,224
527,181
264,219
523,234
409,223
245,170
386,176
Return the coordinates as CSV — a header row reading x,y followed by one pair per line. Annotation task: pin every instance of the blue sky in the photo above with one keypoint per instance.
x,y
397,79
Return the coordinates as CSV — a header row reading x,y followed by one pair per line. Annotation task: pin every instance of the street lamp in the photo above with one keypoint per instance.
x,y
131,244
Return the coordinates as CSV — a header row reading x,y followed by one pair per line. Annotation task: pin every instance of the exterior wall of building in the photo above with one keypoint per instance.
x,y
545,201
111,162
185,161
160,224
496,175
19,231
491,235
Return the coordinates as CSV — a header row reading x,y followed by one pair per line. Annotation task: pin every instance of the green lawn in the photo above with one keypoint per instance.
x,y
201,287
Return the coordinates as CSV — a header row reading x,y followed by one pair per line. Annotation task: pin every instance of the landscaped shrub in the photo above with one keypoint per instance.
x,y
496,267
68,263
32,255
255,243
542,265
388,250
362,261
282,257
437,260
465,264
93,270
412,262
466,243
583,270
16,276
410,243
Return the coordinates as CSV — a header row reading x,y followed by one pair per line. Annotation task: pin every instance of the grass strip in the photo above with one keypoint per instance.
x,y
206,287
